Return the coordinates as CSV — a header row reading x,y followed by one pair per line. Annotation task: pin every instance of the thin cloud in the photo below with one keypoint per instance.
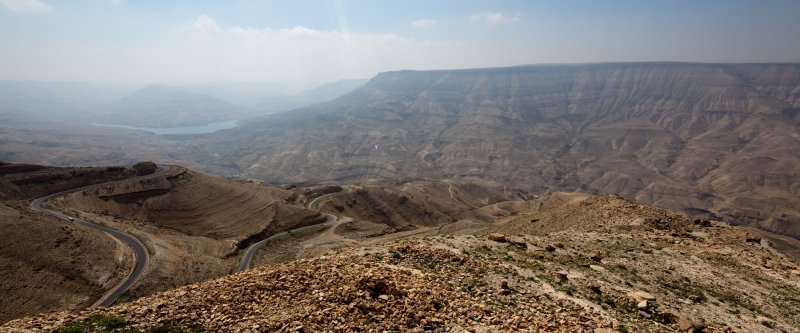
x,y
205,25
23,6
300,53
493,18
424,23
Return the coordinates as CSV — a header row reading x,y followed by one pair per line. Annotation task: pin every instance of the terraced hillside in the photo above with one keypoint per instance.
x,y
711,139
420,203
196,204
614,266
193,224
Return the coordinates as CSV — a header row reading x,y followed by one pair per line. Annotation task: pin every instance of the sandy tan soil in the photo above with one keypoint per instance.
x,y
47,264
193,224
282,250
325,241
633,268
419,203
563,262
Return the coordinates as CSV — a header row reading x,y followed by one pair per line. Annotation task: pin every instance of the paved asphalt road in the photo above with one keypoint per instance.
x,y
314,205
142,256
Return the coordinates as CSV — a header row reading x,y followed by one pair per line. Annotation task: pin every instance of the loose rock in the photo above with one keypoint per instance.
x,y
594,286
686,324
500,238
639,296
518,242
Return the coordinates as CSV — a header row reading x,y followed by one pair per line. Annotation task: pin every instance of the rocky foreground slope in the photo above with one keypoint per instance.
x,y
632,268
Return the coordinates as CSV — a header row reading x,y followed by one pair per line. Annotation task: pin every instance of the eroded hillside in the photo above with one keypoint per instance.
x,y
419,203
614,266
47,264
714,139
193,225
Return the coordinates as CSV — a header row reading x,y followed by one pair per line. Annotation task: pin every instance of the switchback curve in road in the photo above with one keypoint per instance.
x,y
140,251
313,205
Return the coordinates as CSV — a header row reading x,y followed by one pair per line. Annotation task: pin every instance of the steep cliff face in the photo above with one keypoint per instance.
x,y
716,138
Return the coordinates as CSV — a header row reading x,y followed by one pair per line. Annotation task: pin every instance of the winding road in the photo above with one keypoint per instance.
x,y
139,250
142,256
313,205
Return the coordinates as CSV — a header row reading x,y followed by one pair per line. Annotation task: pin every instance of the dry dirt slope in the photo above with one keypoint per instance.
x,y
633,269
47,264
197,204
194,225
419,203
698,137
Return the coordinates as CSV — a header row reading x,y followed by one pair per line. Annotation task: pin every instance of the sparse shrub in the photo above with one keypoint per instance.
x,y
106,321
71,328
628,306
664,318
609,300
162,328
103,322
197,329
699,298
170,328
569,290
430,262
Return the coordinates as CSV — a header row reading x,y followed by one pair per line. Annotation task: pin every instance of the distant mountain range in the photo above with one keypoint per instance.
x,y
159,105
62,101
319,94
710,139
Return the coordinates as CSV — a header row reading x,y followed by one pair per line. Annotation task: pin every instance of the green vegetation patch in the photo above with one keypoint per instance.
x,y
172,328
97,322
106,321
71,328
102,322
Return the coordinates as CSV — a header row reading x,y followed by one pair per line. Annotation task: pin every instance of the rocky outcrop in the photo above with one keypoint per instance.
x,y
467,283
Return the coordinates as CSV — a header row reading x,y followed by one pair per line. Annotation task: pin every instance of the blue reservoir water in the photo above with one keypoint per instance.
x,y
201,129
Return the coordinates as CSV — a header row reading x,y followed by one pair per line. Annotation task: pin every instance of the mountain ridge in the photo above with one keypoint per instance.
x,y
162,106
717,139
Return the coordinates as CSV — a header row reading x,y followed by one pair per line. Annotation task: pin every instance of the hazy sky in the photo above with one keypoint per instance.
x,y
201,41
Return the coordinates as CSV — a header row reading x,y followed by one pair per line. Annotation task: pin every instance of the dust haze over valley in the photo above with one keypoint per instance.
x,y
515,166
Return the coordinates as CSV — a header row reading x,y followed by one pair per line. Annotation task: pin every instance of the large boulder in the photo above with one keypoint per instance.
x,y
500,238
145,168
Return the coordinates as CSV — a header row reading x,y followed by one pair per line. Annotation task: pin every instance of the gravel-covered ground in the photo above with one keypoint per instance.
x,y
656,272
